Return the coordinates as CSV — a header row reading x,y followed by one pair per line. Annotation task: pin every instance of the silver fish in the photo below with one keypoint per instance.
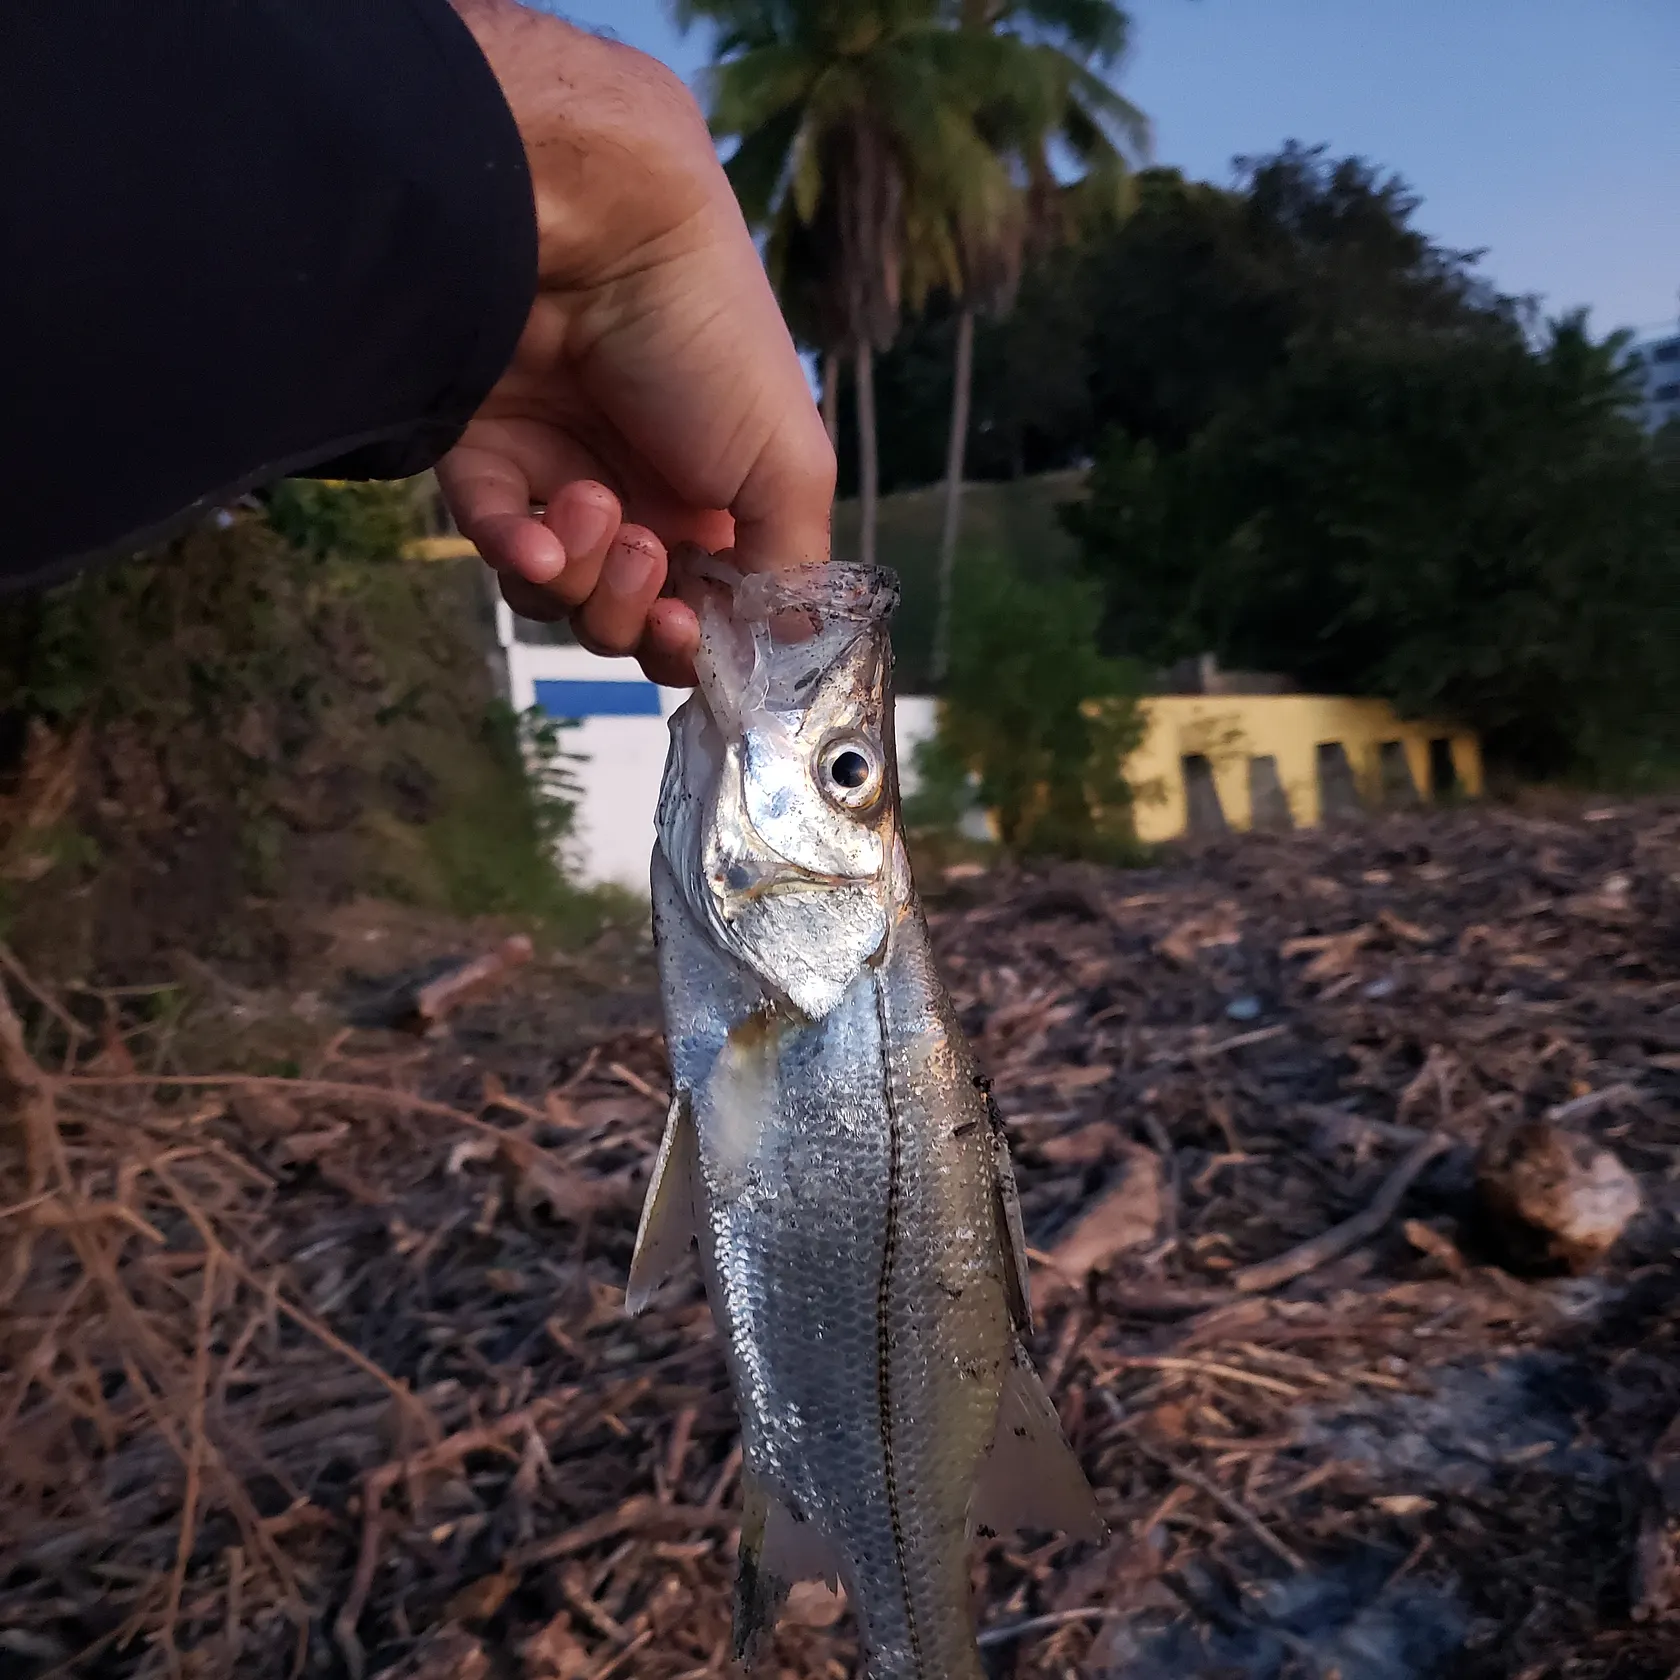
x,y
833,1146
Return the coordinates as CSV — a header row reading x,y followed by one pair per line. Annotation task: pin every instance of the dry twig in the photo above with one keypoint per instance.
x,y
1339,1239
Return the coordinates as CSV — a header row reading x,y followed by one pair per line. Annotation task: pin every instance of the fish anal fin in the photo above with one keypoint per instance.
x,y
668,1220
777,1549
1011,1233
759,1592
1030,1478
798,1550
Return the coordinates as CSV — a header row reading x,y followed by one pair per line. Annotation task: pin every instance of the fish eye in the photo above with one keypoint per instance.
x,y
849,772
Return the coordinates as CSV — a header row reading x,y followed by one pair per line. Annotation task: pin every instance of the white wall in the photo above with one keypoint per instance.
x,y
622,739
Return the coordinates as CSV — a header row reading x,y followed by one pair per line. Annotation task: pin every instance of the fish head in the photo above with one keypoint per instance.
x,y
779,816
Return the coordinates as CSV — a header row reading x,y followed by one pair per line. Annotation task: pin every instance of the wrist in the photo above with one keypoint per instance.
x,y
619,154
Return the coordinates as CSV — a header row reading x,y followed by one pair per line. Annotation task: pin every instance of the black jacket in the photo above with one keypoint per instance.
x,y
241,239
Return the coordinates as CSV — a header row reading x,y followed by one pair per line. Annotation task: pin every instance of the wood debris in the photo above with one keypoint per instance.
x,y
329,1373
1555,1195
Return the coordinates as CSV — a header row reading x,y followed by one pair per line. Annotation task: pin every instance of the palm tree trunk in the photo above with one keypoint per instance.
x,y
869,465
956,456
831,395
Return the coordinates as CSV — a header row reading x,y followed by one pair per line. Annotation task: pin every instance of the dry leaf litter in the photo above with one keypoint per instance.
x,y
1348,1161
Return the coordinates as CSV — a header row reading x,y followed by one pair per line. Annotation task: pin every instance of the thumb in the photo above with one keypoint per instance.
x,y
785,504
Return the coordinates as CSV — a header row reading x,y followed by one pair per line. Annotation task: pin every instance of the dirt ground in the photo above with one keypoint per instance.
x,y
322,1367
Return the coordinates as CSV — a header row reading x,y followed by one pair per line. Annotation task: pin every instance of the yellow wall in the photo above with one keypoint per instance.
x,y
439,548
1229,730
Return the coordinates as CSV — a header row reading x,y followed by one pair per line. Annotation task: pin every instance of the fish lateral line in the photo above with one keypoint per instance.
x,y
883,1326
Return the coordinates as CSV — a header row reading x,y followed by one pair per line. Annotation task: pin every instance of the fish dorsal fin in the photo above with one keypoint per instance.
x,y
1011,1233
777,1549
667,1226
1030,1478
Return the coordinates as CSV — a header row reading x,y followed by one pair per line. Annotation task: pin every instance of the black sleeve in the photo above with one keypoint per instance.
x,y
241,239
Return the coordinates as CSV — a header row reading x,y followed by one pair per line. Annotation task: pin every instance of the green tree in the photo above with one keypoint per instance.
x,y
1192,303
1043,94
1039,715
1465,522
1206,292
854,139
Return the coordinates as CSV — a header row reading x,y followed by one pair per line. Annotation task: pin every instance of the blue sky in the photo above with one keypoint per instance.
x,y
1546,132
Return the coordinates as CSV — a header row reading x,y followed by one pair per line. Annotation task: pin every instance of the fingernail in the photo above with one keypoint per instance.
x,y
581,525
630,565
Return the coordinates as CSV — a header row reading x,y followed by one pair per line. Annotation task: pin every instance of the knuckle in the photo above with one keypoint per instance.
x,y
613,640
804,457
661,82
605,646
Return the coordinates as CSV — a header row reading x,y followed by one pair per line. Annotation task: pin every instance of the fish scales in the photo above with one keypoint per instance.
x,y
830,1144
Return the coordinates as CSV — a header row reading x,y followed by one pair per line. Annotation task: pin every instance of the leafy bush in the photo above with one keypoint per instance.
x,y
1038,715
204,745
509,860
1463,523
355,522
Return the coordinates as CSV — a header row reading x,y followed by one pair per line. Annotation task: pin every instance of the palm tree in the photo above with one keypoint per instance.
x,y
1046,97
856,153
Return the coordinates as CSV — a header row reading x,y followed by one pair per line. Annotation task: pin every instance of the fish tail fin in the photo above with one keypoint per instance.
x,y
760,1591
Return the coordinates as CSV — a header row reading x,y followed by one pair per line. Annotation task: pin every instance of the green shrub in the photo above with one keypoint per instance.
x,y
502,855
1040,717
356,522
207,744
1468,525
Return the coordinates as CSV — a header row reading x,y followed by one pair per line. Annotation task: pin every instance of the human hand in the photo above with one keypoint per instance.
x,y
656,398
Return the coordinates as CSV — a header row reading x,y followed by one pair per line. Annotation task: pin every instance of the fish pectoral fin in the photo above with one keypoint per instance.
x,y
668,1225
1011,1233
1031,1479
777,1549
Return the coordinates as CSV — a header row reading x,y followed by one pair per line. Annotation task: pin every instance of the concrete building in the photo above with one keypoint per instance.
x,y
1225,754
1221,749
619,739
1658,357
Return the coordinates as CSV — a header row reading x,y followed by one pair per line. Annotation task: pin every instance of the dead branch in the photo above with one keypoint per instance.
x,y
1228,1503
1339,1239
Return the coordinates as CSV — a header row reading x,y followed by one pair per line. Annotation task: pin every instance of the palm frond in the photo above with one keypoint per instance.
x,y
740,25
1109,109
763,163
903,147
1096,32
744,93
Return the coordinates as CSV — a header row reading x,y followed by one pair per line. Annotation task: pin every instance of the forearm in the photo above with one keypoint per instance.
x,y
243,239
616,143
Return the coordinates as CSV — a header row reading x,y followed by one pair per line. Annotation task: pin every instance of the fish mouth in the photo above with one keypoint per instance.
x,y
738,884
832,590
806,933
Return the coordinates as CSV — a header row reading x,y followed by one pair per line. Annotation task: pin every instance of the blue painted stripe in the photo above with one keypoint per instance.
x,y
569,699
